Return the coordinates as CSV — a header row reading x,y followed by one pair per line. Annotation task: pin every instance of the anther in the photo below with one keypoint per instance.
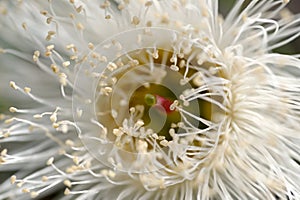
x,y
66,63
13,85
50,161
27,90
135,20
13,179
44,12
13,109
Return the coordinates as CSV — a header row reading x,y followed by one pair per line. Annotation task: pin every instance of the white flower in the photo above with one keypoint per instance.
x,y
149,100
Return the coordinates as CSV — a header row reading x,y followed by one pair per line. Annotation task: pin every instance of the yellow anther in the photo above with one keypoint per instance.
x,y
27,90
54,68
24,26
80,26
135,20
44,12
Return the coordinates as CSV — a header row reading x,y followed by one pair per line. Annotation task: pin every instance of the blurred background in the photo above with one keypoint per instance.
x,y
293,6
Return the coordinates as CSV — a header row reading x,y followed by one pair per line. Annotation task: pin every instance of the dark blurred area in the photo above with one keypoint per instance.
x,y
294,47
293,6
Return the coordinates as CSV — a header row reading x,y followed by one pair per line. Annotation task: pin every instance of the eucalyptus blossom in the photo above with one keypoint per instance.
x,y
149,99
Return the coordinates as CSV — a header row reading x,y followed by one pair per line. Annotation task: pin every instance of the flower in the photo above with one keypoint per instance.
x,y
150,100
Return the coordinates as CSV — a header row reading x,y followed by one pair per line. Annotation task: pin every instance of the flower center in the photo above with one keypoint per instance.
x,y
145,95
157,102
149,107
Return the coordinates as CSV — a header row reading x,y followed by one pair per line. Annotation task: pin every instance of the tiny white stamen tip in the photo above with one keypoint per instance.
x,y
80,26
111,174
67,192
148,3
50,161
112,66
186,103
8,121
27,90
104,172
140,123
37,53
180,124
76,160
66,63
135,20
79,112
50,47
34,194
164,143
37,116
117,132
3,152
53,117
70,46
174,68
69,143
183,81
174,105
13,109
114,114
155,136
44,178
91,46
13,85
13,179
68,183
132,110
